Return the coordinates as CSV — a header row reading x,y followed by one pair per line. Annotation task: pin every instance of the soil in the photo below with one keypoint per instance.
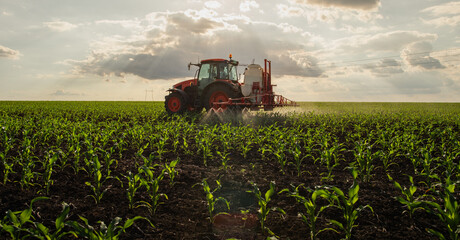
x,y
184,214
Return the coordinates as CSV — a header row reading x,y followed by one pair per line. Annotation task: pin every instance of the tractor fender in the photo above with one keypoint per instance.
x,y
234,87
183,93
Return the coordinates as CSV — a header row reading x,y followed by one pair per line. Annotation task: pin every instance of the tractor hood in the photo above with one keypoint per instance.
x,y
187,83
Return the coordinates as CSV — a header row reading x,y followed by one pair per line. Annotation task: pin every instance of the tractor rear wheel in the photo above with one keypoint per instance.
x,y
218,93
175,103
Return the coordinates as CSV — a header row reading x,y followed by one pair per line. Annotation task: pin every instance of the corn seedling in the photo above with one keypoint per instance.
x,y
412,203
263,200
110,232
312,209
15,223
171,170
98,182
298,159
364,159
329,156
49,163
448,212
42,232
347,205
211,200
152,185
133,186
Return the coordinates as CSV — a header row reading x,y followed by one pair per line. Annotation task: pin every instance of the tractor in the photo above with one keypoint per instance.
x,y
216,87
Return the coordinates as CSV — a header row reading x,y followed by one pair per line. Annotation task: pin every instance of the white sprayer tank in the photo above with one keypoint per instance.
x,y
252,74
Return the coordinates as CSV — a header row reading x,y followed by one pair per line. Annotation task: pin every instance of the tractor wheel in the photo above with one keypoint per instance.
x,y
175,103
218,93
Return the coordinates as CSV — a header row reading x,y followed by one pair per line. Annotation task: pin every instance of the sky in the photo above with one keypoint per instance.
x,y
321,50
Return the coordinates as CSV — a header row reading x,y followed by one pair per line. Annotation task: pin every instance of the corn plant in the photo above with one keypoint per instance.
x,y
7,166
146,161
133,186
224,159
364,159
205,148
448,212
246,147
27,162
330,156
152,184
14,222
279,150
312,209
21,224
428,171
42,232
49,163
298,159
171,170
211,200
161,146
98,181
347,204
263,200
110,232
412,203
109,160
75,148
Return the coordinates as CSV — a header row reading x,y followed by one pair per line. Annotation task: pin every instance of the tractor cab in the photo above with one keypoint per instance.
x,y
216,69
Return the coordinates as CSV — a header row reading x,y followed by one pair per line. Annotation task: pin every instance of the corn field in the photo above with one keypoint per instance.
x,y
128,170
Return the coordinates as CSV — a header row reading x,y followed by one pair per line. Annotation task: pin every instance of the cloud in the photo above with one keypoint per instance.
x,y
9,53
383,42
384,68
59,26
366,5
446,14
173,39
61,93
449,8
289,11
444,21
248,5
324,13
418,55
305,66
182,22
213,4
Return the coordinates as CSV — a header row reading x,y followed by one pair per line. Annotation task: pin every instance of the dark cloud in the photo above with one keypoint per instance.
x,y
352,4
384,68
163,52
161,66
181,22
8,52
306,66
418,55
425,62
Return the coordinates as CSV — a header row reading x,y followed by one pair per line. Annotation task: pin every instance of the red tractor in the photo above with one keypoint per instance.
x,y
216,86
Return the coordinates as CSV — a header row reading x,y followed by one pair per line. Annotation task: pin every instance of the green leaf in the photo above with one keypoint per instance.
x,y
436,233
270,192
44,230
62,216
338,224
13,219
25,215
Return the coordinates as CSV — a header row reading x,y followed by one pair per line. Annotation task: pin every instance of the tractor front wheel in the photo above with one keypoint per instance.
x,y
175,103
